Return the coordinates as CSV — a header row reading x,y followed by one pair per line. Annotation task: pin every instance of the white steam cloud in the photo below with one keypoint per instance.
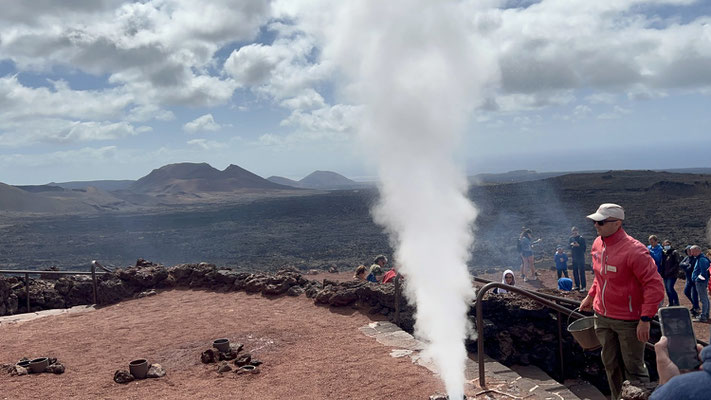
x,y
417,72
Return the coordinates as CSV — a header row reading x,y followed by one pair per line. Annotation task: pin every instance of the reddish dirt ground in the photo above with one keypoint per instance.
x,y
309,352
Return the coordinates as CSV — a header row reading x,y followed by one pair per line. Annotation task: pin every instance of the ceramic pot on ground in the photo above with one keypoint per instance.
x,y
24,364
138,368
223,345
39,364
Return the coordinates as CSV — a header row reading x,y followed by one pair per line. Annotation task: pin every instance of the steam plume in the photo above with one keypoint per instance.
x,y
414,67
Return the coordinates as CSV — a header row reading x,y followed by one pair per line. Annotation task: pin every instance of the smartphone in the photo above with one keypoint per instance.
x,y
676,326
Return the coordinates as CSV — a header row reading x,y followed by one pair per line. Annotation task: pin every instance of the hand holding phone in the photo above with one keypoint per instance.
x,y
680,339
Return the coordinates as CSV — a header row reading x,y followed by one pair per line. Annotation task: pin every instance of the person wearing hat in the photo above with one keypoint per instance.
x,y
625,295
376,270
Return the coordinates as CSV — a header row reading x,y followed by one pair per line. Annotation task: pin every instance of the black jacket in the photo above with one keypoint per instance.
x,y
577,253
670,264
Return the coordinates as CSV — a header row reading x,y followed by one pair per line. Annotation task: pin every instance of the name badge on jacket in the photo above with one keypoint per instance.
x,y
611,268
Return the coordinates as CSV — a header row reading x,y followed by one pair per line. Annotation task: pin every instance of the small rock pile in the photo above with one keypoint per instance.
x,y
244,363
123,376
54,367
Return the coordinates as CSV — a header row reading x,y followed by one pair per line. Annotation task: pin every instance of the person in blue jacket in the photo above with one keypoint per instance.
x,y
674,385
689,286
700,277
656,251
561,262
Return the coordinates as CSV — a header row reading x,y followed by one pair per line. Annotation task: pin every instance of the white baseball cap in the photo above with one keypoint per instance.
x,y
608,210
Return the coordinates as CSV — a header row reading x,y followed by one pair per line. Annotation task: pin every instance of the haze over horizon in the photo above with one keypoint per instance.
x,y
113,89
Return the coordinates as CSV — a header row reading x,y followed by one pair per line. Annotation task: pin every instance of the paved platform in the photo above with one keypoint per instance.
x,y
19,318
502,382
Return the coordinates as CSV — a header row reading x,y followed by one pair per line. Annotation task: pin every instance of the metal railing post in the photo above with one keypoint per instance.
x,y
27,290
560,349
397,300
93,280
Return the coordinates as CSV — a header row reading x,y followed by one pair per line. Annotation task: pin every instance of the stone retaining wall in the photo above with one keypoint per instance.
x,y
125,283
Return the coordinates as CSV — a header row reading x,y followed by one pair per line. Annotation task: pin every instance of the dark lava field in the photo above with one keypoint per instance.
x,y
336,228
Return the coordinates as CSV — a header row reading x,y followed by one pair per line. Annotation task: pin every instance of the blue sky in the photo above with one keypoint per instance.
x,y
112,89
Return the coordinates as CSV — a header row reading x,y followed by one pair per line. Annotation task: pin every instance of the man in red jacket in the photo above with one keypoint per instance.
x,y
625,295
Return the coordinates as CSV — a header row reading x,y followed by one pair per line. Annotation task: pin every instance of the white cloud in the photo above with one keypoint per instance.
x,y
60,131
203,123
582,111
82,156
335,119
616,113
205,144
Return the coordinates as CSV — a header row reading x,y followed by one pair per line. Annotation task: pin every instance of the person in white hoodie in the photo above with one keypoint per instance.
x,y
508,278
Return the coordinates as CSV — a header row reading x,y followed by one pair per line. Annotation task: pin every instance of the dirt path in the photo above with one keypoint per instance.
x,y
309,352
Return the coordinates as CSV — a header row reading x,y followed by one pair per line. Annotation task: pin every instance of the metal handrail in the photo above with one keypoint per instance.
x,y
576,304
28,272
480,317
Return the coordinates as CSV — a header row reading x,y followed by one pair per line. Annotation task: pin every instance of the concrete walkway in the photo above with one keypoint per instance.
x,y
19,318
502,382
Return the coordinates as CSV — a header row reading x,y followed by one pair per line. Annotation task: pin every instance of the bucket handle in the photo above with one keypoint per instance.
x,y
571,314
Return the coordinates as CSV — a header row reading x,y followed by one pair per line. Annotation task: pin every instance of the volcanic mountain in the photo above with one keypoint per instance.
x,y
193,177
318,180
19,200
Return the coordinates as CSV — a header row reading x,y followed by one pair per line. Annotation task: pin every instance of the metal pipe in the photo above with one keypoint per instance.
x,y
564,300
397,300
27,290
36,272
480,317
93,280
560,349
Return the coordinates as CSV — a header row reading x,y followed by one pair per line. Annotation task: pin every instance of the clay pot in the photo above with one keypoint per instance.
x,y
223,345
24,364
38,365
138,368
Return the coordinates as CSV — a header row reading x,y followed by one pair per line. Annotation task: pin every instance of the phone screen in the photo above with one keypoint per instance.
x,y
676,326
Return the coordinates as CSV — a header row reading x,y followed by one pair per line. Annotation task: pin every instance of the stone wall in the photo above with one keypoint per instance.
x,y
125,283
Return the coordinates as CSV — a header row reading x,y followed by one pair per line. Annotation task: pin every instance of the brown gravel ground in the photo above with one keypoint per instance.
x,y
309,352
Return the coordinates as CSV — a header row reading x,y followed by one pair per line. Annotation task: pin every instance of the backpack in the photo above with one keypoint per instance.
x,y
518,245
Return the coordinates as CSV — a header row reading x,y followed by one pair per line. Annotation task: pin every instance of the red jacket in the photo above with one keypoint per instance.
x,y
389,276
626,284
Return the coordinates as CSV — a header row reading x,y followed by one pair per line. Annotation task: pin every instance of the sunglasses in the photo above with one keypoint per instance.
x,y
604,221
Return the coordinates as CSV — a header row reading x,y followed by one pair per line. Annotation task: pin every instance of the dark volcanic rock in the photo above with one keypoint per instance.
x,y
223,367
56,368
295,291
155,371
123,376
142,276
210,356
243,359
637,390
255,283
111,290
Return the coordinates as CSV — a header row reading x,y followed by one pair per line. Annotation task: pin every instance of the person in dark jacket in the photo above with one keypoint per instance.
x,y
670,271
674,385
577,246
689,287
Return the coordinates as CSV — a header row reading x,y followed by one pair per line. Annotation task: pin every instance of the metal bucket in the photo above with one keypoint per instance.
x,y
138,368
583,330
